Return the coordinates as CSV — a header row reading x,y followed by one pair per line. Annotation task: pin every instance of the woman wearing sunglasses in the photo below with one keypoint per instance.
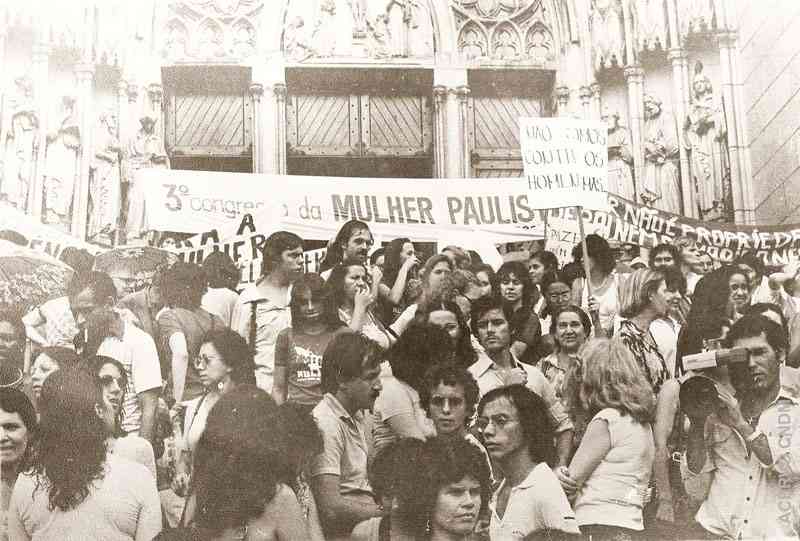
x,y
113,381
223,362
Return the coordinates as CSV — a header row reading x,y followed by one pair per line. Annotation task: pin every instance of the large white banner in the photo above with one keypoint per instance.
x,y
422,209
565,162
40,237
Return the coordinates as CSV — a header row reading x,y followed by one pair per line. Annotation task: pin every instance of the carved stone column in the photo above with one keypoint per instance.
x,y
279,91
634,75
40,74
562,95
586,101
155,98
84,73
736,125
680,99
439,132
256,94
463,93
595,87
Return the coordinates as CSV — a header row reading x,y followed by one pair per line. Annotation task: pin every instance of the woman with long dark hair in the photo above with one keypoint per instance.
x,y
446,315
515,287
399,269
603,303
75,488
299,348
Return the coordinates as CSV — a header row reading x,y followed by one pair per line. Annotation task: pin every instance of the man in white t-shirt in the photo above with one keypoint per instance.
x,y
516,432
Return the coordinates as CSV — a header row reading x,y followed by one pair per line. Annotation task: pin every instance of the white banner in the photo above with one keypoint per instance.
x,y
565,162
314,207
40,237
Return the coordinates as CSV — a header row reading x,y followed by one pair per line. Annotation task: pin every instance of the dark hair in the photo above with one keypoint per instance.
x,y
65,357
485,304
15,401
275,245
548,260
431,262
754,262
465,354
373,258
335,283
532,412
461,259
389,472
71,450
391,262
671,248
312,285
301,438
451,375
520,271
237,464
220,270
752,325
96,364
437,463
486,268
599,250
549,279
584,317
346,358
235,352
100,284
421,346
674,279
79,259
760,308
335,254
14,237
183,286
12,317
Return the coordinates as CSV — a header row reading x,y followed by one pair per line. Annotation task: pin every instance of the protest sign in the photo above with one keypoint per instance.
x,y
425,209
40,237
565,162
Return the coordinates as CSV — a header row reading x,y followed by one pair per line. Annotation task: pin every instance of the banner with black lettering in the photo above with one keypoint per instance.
x,y
38,236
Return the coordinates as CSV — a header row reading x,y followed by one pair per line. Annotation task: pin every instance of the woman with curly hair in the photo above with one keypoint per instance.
x,y
183,324
239,486
611,469
438,489
75,488
521,295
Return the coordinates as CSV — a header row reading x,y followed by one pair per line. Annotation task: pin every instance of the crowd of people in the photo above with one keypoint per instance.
x,y
394,396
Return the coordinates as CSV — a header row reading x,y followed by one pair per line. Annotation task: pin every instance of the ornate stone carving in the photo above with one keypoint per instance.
x,y
608,37
650,24
61,164
211,30
660,180
707,140
19,145
504,32
695,17
145,151
105,178
620,158
378,29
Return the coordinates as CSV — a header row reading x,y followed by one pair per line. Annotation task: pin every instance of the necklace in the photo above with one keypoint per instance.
x,y
600,286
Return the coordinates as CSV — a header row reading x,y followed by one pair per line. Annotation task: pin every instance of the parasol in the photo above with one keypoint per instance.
x,y
29,278
132,267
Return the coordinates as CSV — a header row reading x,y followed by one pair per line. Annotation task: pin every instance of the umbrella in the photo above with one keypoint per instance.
x,y
132,267
29,278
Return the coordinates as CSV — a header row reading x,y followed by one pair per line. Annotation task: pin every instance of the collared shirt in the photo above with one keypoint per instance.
x,y
748,499
271,319
346,445
665,333
489,376
537,504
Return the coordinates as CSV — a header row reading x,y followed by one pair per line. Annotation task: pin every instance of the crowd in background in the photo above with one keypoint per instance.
x,y
396,396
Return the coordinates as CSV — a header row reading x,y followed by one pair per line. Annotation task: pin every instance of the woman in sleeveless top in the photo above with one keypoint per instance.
x,y
603,303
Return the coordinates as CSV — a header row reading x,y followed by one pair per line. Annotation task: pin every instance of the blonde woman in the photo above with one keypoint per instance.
x,y
643,299
610,472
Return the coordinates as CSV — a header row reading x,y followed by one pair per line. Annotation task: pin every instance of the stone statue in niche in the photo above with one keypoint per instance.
x,y
409,36
105,178
381,36
620,159
650,20
706,139
608,41
62,165
660,187
145,151
295,45
19,146
324,36
358,8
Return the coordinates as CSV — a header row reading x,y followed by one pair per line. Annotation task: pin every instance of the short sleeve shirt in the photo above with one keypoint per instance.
x,y
301,354
537,504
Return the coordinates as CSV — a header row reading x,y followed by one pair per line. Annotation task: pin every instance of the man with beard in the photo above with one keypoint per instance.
x,y
351,382
353,241
751,443
663,256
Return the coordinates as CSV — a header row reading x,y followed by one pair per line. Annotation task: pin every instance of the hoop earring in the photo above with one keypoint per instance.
x,y
428,527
